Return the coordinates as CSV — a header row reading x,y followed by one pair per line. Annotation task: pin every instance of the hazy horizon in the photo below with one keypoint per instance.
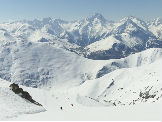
x,y
41,18
74,10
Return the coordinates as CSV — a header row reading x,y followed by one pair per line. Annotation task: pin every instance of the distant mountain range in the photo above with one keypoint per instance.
x,y
32,50
93,37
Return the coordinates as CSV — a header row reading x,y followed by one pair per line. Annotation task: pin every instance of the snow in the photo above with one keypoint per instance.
x,y
143,112
87,109
42,57
138,21
103,44
129,31
155,27
88,101
13,105
131,80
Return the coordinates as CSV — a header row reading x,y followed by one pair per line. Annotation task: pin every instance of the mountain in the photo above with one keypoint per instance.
x,y
155,27
128,36
88,30
93,37
122,87
72,65
40,64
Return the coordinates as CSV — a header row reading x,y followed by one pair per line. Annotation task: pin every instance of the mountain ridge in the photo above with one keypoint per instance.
x,y
132,34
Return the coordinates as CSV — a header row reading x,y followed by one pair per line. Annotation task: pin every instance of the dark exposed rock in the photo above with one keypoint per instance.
x,y
19,90
14,87
24,94
146,94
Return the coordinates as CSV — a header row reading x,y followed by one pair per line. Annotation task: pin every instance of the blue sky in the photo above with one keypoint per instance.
x,y
77,9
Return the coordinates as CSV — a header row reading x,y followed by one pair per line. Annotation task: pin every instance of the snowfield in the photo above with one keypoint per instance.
x,y
143,112
112,94
103,44
89,69
123,86
85,108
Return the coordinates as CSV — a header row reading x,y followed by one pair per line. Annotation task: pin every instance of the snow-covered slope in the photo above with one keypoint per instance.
x,y
125,94
121,85
125,86
132,85
143,112
128,36
103,44
135,60
38,64
86,31
13,105
155,27
42,64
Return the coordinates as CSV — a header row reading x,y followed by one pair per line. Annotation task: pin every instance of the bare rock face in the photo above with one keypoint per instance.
x,y
24,94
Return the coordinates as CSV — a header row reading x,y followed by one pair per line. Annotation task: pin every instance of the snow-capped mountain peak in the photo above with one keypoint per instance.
x,y
130,32
134,20
96,16
156,21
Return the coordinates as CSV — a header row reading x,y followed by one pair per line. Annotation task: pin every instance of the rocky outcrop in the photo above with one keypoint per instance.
x,y
24,94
